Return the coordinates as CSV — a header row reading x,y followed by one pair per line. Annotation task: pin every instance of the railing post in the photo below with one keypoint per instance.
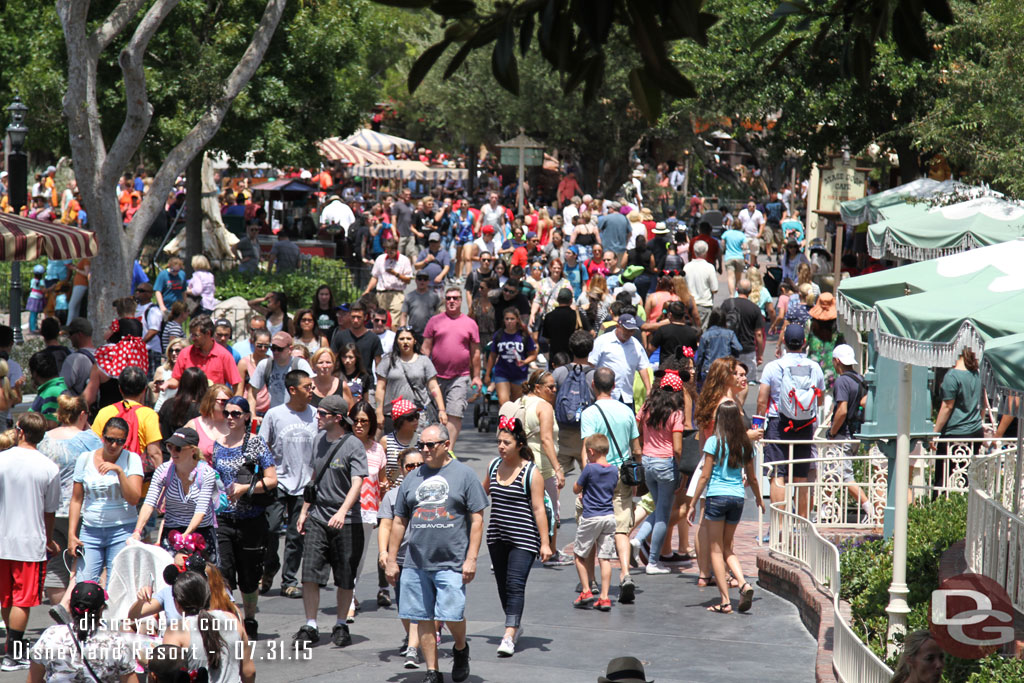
x,y
898,608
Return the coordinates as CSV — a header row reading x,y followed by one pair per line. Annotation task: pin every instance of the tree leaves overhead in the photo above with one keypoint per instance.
x,y
573,37
857,26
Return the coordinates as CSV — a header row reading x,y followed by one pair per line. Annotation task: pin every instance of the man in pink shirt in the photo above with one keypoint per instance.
x,y
452,340
207,355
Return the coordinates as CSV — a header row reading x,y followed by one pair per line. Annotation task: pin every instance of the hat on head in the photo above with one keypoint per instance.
x,y
87,596
144,287
487,230
221,322
184,436
794,334
624,670
638,173
531,235
305,175
3,174
844,354
333,198
422,275
564,296
574,249
401,407
343,307
335,405
79,325
628,321
281,339
39,270
51,169
433,237
825,308
660,229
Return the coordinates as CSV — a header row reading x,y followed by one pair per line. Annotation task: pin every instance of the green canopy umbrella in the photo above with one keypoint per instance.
x,y
1002,370
866,209
858,295
918,234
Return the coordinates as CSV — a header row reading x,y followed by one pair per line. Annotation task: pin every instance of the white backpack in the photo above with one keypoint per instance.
x,y
798,397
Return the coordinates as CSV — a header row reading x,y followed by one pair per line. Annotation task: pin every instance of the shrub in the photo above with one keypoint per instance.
x,y
299,286
866,573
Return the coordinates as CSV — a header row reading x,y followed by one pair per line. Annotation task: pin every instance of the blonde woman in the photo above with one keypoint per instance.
x,y
804,275
159,386
759,294
325,380
211,425
682,292
202,285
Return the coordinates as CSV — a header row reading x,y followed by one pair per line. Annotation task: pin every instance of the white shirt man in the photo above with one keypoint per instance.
x,y
337,212
621,352
571,210
702,279
751,220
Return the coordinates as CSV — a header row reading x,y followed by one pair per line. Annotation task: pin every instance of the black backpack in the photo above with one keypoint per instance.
x,y
855,413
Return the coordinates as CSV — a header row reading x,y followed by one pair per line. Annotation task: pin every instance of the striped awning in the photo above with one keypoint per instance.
x,y
364,138
408,169
334,149
26,239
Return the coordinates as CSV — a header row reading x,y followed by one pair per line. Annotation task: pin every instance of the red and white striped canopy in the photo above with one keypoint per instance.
x,y
26,239
334,149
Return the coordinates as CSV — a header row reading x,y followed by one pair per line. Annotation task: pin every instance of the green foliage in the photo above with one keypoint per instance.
x,y
866,573
299,286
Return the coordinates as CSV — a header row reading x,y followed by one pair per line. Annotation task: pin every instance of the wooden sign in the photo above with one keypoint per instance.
x,y
840,182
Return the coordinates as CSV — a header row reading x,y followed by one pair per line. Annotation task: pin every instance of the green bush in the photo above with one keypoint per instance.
x,y
299,286
866,573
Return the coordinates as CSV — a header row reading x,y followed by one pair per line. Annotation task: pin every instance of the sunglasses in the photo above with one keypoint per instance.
x,y
509,291
380,321
404,328
429,445
411,467
275,348
263,347
324,413
452,298
361,421
223,335
173,448
233,414
114,441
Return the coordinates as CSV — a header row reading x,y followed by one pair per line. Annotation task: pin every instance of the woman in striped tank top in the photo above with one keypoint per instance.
x,y
364,426
406,418
518,528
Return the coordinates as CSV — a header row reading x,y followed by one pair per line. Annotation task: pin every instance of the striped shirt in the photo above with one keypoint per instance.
x,y
179,506
512,518
394,447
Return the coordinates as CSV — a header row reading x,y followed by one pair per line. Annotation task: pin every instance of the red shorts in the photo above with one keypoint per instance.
x,y
20,582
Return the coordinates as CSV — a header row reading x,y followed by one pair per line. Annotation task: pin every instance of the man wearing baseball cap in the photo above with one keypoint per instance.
x,y
434,261
792,390
621,352
527,252
330,519
849,396
420,305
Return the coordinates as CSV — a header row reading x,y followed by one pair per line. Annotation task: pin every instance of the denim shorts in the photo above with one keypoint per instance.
x,y
432,595
498,378
727,508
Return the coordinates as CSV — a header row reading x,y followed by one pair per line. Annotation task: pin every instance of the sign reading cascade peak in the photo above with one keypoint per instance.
x,y
840,183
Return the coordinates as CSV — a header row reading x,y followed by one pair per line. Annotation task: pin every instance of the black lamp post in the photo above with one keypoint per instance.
x,y
17,179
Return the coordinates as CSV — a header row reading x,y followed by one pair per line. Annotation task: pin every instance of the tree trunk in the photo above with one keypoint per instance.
x,y
909,168
193,210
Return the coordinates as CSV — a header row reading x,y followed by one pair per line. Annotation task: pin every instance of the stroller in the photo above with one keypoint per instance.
x,y
485,411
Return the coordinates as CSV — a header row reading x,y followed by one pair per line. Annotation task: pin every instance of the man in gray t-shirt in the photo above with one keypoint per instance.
x,y
270,372
288,430
332,523
420,305
440,511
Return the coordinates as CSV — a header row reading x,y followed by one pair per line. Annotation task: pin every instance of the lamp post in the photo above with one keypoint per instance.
x,y
17,179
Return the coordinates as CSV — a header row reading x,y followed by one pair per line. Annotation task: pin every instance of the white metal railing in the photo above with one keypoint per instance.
x,y
995,535
833,502
797,538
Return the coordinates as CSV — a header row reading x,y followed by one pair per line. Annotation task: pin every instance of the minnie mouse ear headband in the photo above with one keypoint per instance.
x,y
193,563
87,596
671,380
508,424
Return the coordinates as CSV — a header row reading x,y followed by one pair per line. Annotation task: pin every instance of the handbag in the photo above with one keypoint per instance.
x,y
691,453
631,473
250,473
309,494
427,406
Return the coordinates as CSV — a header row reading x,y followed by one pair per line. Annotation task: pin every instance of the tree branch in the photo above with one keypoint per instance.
x,y
115,22
203,131
138,110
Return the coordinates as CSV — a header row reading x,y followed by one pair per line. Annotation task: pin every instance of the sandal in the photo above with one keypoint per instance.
x,y
723,608
746,597
705,581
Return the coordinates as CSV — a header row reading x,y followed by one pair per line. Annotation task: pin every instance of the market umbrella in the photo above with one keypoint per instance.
x,y
26,239
866,209
919,235
333,149
382,143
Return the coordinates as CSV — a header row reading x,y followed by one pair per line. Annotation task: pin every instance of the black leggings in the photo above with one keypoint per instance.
x,y
242,544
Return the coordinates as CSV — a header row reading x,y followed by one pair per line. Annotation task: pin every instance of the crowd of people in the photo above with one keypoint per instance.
x,y
589,336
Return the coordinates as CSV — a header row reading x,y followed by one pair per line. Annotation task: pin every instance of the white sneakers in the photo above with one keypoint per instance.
x,y
507,647
653,568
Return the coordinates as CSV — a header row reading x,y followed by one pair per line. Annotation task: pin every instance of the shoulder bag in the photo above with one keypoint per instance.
x,y
427,405
309,493
630,472
251,473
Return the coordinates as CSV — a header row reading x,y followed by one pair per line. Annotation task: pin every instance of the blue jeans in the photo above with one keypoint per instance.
x,y
511,570
100,546
75,305
662,481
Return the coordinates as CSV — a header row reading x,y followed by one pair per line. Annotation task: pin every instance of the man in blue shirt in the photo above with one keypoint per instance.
x,y
170,284
614,229
733,240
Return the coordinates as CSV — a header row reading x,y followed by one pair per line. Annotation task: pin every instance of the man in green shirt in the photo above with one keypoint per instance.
x,y
49,383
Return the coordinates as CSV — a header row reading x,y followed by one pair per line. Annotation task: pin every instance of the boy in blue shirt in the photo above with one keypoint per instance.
x,y
596,526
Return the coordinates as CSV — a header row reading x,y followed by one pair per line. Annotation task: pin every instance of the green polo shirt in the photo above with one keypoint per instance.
x,y
46,398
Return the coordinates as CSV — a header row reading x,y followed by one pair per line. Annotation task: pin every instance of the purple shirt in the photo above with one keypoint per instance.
x,y
452,339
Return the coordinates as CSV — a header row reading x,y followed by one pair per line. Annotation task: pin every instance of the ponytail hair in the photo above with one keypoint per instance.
x,y
513,426
192,596
5,383
970,360
168,664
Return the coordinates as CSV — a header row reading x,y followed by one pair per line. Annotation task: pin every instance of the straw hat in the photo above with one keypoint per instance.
x,y
825,308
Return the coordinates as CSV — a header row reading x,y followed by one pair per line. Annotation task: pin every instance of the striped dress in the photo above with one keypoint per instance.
x,y
512,518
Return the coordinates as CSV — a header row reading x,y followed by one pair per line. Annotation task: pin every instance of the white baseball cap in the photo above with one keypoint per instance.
x,y
844,354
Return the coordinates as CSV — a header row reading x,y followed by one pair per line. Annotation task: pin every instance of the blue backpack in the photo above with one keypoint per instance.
x,y
573,396
549,507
